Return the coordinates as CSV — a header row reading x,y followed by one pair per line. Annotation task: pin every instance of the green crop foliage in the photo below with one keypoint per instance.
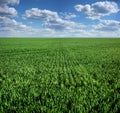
x,y
57,75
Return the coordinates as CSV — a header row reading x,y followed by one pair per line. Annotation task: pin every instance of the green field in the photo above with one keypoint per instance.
x,y
59,75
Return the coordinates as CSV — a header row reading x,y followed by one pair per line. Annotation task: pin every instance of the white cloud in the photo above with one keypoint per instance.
x,y
14,28
5,10
51,19
105,28
108,25
13,1
39,14
59,24
67,16
98,9
4,2
7,24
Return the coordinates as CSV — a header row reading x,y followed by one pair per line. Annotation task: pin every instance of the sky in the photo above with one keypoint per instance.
x,y
60,18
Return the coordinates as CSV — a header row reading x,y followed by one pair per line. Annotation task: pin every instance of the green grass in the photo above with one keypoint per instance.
x,y
59,75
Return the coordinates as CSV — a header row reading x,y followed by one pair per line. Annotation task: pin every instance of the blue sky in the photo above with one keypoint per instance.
x,y
59,18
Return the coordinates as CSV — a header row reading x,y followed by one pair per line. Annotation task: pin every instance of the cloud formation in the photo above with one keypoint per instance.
x,y
98,9
108,25
39,14
7,23
5,10
59,24
67,16
51,19
12,2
